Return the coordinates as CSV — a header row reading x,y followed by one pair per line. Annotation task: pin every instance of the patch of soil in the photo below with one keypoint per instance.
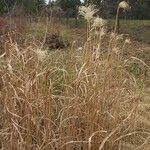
x,y
55,41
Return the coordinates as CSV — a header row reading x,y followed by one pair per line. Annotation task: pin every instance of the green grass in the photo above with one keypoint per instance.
x,y
73,23
138,29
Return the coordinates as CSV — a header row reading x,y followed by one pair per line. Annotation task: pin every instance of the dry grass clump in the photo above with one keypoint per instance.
x,y
79,100
65,101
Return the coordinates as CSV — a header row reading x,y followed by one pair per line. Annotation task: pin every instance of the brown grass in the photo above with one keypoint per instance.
x,y
72,100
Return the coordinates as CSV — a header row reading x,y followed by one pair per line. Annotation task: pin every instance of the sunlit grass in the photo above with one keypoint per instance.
x,y
92,95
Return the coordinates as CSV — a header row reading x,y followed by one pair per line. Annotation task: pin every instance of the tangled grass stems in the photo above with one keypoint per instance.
x,y
75,101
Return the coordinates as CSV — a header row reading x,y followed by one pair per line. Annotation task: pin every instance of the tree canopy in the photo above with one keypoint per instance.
x,y
140,9
30,6
69,6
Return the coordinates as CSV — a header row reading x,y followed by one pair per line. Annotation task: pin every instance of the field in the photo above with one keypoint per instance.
x,y
138,29
65,87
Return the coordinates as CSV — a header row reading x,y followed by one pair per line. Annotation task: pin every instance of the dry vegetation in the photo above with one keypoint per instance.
x,y
91,97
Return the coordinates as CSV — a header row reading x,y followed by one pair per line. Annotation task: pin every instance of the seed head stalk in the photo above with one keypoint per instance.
x,y
122,5
117,21
99,44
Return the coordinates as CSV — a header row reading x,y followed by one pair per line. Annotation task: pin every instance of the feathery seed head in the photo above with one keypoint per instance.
x,y
127,41
100,32
10,69
124,5
87,12
103,31
41,54
98,22
115,50
80,48
112,35
120,37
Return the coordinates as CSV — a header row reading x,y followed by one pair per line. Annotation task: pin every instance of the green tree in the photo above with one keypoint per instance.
x,y
95,2
69,6
30,6
140,9
39,4
33,6
2,7
7,5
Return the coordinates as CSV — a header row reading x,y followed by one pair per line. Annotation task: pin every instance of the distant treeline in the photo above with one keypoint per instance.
x,y
28,6
140,9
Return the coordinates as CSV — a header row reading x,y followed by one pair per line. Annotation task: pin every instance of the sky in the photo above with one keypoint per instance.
x,y
46,1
